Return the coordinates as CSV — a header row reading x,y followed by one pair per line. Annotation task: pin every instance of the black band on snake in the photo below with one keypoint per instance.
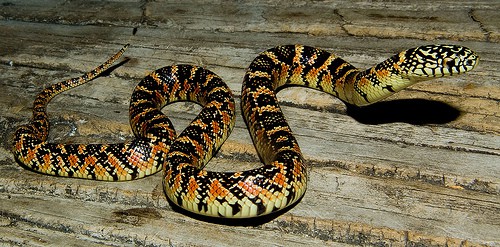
x,y
282,179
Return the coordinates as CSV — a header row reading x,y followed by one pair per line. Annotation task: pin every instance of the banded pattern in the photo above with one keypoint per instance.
x,y
282,180
115,162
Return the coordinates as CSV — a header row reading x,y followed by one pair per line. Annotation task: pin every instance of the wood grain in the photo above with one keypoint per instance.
x,y
419,169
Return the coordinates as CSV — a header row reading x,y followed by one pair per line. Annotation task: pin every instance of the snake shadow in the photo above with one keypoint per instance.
x,y
111,68
411,111
255,221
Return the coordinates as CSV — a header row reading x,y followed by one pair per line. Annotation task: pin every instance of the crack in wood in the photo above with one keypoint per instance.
x,y
474,18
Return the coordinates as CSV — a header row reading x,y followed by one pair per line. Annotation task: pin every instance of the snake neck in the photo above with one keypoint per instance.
x,y
379,82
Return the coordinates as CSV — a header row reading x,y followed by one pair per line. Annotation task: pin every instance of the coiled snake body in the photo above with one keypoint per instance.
x,y
283,178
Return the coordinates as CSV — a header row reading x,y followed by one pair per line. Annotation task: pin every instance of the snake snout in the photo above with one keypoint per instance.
x,y
459,62
471,61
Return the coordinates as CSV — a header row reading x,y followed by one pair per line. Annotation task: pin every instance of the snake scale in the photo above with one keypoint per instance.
x,y
281,180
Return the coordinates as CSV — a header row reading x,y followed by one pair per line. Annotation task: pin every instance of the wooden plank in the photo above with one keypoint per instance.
x,y
374,207
418,169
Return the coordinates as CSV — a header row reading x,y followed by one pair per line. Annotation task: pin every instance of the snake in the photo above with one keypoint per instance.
x,y
282,178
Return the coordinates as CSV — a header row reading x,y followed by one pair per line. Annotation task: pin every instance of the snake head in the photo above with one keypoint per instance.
x,y
438,61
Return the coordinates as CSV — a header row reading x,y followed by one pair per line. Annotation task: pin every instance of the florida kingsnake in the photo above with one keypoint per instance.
x,y
282,179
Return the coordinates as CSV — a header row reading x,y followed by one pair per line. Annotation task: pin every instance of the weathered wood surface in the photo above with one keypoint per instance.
x,y
420,169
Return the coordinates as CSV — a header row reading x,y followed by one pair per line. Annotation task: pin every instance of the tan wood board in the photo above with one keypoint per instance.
x,y
421,168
